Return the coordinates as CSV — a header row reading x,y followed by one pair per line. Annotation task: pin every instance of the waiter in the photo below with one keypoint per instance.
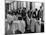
x,y
23,14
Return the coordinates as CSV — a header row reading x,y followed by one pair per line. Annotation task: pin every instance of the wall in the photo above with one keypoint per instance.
x,y
37,5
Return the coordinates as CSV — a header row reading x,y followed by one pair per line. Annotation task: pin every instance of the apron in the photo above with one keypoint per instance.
x,y
33,25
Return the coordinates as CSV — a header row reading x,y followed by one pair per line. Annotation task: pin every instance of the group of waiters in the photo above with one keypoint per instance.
x,y
33,14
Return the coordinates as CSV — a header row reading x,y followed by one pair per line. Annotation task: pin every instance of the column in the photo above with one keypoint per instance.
x,y
18,4
33,5
24,4
27,5
11,6
30,5
21,4
15,5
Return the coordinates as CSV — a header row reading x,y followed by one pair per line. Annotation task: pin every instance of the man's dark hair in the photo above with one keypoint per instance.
x,y
18,32
40,7
36,9
24,8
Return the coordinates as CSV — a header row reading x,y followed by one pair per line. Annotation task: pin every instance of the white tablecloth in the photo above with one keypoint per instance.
x,y
18,24
33,24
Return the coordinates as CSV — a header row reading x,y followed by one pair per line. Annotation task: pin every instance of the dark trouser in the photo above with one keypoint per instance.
x,y
26,23
42,27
